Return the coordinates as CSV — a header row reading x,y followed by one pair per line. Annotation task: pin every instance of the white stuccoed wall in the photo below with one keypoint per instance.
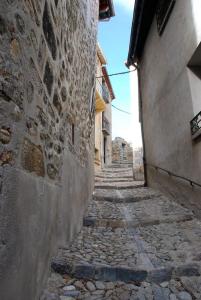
x,y
167,102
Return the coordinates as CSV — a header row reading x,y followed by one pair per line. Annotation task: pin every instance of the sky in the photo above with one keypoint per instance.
x,y
114,38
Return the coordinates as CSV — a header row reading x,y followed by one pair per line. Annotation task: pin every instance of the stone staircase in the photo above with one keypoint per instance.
x,y
135,244
116,178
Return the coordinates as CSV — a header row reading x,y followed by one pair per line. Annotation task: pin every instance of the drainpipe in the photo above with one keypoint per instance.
x,y
142,126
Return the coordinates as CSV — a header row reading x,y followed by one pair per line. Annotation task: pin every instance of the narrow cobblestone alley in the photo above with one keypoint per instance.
x,y
135,244
100,150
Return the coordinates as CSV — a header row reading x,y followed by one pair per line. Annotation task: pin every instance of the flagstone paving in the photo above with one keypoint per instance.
x,y
135,244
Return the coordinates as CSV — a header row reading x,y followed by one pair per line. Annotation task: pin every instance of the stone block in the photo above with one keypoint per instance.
x,y
5,135
49,296
32,158
160,275
6,157
127,275
119,274
71,293
88,221
15,48
52,171
84,271
61,266
184,296
187,270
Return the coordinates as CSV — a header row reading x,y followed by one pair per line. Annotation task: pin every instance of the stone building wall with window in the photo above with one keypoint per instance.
x,y
100,107
47,85
167,52
109,96
103,113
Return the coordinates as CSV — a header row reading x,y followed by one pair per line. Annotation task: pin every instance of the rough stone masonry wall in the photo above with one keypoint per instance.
x,y
47,68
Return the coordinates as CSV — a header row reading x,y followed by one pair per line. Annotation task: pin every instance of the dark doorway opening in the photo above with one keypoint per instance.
x,y
104,149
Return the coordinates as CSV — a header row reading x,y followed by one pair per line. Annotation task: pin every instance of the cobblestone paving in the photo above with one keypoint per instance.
x,y
67,288
135,244
159,209
93,246
178,242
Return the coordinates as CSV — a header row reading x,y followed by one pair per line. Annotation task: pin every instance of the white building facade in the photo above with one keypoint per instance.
x,y
165,46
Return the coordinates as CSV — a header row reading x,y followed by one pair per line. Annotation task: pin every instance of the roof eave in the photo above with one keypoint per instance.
x,y
112,11
101,55
109,14
134,29
143,15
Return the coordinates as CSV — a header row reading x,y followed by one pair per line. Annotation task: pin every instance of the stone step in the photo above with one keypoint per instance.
x,y
113,223
119,185
125,200
97,272
110,180
152,253
113,179
138,214
120,165
125,195
124,274
116,175
109,171
126,175
135,241
116,179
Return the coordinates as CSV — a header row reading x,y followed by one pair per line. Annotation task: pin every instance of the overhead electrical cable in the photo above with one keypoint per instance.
x,y
116,74
120,73
126,112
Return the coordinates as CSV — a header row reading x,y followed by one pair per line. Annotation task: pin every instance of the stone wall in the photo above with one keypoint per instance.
x,y
122,152
47,71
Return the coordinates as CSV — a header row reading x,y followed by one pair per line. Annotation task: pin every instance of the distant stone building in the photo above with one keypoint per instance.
x,y
103,114
122,152
166,46
47,113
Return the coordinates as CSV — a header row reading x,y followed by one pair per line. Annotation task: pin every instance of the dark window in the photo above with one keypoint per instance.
x,y
104,149
163,12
